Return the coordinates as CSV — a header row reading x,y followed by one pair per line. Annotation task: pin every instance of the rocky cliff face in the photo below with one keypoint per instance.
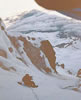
x,y
21,47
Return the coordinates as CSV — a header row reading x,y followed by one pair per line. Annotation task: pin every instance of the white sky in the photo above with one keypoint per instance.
x,y
11,7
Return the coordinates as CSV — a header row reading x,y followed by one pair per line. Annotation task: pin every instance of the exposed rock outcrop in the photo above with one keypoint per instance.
x,y
22,45
47,49
79,73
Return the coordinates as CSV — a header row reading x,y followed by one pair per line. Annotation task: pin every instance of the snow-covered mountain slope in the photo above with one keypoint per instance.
x,y
64,35
16,49
49,51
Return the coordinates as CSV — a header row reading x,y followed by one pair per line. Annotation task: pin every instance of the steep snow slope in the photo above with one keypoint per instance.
x,y
64,35
17,49
49,63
